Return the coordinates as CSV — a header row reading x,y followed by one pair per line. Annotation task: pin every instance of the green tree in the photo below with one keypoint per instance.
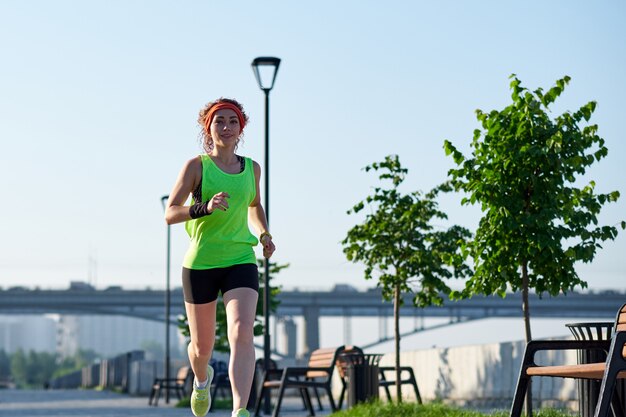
x,y
5,365
221,330
400,246
41,367
81,359
536,223
32,369
19,368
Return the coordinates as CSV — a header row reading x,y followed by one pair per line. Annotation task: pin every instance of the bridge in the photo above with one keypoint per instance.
x,y
343,301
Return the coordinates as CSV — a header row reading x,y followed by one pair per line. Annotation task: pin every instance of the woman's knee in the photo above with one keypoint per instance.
x,y
200,349
241,331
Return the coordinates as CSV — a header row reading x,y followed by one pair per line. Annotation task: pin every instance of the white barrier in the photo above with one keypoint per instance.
x,y
483,376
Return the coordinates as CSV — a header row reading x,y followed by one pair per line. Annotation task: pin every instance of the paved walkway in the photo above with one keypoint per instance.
x,y
88,403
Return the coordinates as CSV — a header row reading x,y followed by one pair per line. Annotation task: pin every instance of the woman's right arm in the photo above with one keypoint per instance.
x,y
189,177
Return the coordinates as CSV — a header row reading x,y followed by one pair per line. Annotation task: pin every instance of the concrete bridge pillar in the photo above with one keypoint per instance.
x,y
311,329
347,327
289,337
383,329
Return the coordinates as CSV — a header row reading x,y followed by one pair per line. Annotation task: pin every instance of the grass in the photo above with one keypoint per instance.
x,y
409,409
405,409
218,403
184,403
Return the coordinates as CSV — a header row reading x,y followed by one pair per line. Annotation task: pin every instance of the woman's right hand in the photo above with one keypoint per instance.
x,y
218,202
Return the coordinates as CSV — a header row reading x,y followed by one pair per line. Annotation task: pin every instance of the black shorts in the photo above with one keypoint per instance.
x,y
201,286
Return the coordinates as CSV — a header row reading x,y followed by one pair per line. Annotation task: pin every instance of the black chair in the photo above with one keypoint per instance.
x,y
173,384
317,374
221,381
408,378
608,372
259,373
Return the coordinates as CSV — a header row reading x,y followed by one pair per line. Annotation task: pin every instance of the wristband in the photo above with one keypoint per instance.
x,y
199,210
263,235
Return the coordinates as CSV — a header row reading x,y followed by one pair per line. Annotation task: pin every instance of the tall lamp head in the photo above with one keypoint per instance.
x,y
265,69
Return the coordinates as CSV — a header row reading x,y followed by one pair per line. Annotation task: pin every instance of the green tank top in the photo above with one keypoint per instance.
x,y
223,238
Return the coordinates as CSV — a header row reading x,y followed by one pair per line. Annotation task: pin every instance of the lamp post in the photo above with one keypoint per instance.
x,y
265,70
167,306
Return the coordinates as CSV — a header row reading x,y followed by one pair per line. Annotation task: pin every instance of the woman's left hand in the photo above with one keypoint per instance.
x,y
268,246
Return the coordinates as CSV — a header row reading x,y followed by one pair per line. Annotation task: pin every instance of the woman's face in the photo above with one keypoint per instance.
x,y
225,128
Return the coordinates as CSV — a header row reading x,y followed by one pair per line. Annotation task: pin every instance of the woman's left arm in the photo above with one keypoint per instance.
x,y
256,216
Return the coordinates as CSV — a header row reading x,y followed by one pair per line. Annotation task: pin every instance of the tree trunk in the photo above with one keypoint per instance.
x,y
525,306
396,318
526,311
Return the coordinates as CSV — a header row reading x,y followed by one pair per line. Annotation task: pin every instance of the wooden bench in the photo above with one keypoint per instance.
x,y
176,384
608,372
317,375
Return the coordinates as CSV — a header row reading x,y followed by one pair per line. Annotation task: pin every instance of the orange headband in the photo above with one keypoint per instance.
x,y
220,106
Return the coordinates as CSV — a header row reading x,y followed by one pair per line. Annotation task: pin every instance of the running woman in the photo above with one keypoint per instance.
x,y
225,197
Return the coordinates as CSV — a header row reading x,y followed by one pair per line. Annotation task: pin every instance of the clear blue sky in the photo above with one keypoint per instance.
x,y
98,106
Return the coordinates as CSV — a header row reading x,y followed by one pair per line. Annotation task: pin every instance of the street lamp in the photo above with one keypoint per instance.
x,y
265,69
167,306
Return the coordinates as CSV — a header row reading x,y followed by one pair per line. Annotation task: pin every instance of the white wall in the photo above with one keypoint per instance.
x,y
483,376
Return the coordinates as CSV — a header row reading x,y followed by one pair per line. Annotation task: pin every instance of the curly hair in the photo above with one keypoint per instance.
x,y
205,135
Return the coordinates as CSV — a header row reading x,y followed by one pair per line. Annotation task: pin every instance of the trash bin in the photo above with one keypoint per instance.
x,y
589,389
362,372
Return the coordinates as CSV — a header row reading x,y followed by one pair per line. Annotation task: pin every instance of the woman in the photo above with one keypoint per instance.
x,y
225,197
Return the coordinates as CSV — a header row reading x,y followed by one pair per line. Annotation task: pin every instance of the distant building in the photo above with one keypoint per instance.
x,y
27,332
111,335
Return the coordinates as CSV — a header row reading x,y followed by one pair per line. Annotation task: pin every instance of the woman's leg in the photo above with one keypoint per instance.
x,y
201,318
240,312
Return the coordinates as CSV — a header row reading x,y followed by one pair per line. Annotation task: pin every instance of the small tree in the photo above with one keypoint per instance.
x,y
536,224
399,242
221,328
